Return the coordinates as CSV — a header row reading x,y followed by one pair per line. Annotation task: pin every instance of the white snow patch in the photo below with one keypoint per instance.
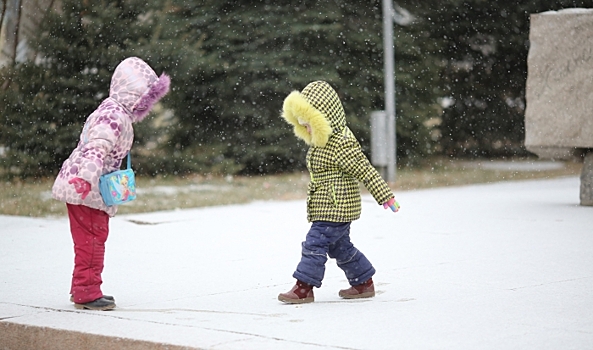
x,y
495,266
518,165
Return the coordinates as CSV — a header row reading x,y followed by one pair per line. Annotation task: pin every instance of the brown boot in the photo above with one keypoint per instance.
x,y
300,293
365,290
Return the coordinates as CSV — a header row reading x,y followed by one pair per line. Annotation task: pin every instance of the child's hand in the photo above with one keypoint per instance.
x,y
81,186
393,204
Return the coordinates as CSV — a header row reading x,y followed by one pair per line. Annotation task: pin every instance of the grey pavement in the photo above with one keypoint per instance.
x,y
495,266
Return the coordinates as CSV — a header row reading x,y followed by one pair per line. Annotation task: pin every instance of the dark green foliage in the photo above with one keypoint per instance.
x,y
484,46
251,55
232,63
44,104
238,60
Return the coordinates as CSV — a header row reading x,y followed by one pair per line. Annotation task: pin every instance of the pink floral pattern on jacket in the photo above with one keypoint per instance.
x,y
107,135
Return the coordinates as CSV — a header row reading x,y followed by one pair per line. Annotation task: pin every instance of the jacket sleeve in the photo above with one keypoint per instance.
x,y
353,162
98,141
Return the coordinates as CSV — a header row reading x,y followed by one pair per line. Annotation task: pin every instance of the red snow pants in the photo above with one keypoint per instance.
x,y
90,228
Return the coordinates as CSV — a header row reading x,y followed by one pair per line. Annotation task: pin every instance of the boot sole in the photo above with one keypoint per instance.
x,y
96,308
108,297
358,296
295,301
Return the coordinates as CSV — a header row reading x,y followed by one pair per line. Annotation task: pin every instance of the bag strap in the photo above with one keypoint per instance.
x,y
129,160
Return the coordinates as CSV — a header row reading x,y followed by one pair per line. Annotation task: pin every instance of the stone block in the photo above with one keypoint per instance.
x,y
559,93
587,180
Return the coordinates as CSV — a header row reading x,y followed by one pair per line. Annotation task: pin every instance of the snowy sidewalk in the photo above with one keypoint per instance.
x,y
498,266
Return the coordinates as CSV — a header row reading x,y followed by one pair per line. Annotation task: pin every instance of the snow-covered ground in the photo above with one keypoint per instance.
x,y
497,266
517,166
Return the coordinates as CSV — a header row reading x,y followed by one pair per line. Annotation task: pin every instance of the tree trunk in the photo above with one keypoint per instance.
x,y
3,13
19,8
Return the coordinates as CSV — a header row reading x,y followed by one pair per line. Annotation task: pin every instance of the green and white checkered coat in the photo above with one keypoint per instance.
x,y
335,160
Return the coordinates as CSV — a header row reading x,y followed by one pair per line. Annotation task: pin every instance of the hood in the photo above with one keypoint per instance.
x,y
137,87
319,106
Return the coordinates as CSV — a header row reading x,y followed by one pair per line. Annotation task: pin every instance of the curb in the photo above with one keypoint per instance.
x,y
15,336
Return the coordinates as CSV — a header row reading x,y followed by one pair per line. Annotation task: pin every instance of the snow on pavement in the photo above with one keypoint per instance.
x,y
495,266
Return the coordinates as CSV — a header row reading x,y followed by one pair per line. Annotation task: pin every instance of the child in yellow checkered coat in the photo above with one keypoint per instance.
x,y
336,164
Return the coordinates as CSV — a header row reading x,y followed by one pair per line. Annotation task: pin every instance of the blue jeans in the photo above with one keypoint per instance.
x,y
333,239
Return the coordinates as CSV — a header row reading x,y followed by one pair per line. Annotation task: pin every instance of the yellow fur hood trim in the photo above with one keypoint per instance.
x,y
298,111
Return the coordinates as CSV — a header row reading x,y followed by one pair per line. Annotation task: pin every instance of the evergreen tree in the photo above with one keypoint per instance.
x,y
237,60
45,103
484,47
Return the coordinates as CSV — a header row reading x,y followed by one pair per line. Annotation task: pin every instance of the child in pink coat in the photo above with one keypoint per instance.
x,y
105,141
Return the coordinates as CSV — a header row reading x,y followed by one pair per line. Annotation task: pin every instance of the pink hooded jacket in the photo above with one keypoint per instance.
x,y
108,134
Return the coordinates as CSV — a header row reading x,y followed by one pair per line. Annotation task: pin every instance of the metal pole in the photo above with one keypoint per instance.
x,y
389,87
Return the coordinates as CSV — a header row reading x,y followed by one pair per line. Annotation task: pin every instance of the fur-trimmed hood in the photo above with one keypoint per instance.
x,y
137,87
318,106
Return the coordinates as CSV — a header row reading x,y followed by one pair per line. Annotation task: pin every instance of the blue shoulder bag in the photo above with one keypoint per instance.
x,y
118,187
